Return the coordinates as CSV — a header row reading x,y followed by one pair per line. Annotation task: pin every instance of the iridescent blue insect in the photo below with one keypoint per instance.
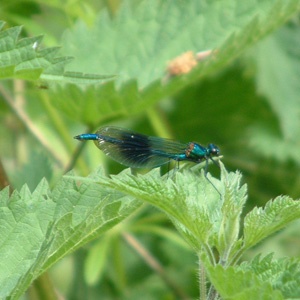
x,y
141,151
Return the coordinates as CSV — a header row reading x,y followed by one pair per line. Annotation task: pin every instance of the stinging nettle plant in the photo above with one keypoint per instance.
x,y
79,209
51,222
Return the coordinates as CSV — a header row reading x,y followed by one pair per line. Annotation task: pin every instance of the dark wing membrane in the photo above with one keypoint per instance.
x,y
137,150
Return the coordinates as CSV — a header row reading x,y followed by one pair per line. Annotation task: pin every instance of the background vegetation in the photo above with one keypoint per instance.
x,y
244,97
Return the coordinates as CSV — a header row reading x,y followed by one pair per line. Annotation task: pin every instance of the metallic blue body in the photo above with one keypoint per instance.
x,y
141,151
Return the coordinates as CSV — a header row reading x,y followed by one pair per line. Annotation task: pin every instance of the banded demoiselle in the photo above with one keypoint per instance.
x,y
137,150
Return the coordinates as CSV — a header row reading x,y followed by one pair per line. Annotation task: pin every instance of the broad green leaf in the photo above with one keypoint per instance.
x,y
278,66
192,203
268,143
39,228
283,274
262,222
22,58
139,42
277,62
232,283
98,103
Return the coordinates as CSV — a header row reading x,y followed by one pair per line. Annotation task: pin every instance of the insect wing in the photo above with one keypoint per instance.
x,y
137,150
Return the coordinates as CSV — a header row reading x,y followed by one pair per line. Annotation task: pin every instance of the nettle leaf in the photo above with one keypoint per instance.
x,y
184,199
278,63
97,104
283,274
260,139
232,283
262,222
139,42
22,58
191,202
39,228
234,199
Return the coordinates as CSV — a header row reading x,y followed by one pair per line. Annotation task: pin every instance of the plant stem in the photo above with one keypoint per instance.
x,y
212,294
64,133
17,108
202,281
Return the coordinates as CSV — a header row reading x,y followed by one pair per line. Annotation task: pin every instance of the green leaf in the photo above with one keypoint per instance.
x,y
139,42
232,283
192,204
52,223
23,59
277,61
232,207
22,234
283,274
278,64
265,141
188,200
262,222
97,104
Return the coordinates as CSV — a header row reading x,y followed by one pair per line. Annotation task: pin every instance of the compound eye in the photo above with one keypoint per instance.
x,y
214,150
